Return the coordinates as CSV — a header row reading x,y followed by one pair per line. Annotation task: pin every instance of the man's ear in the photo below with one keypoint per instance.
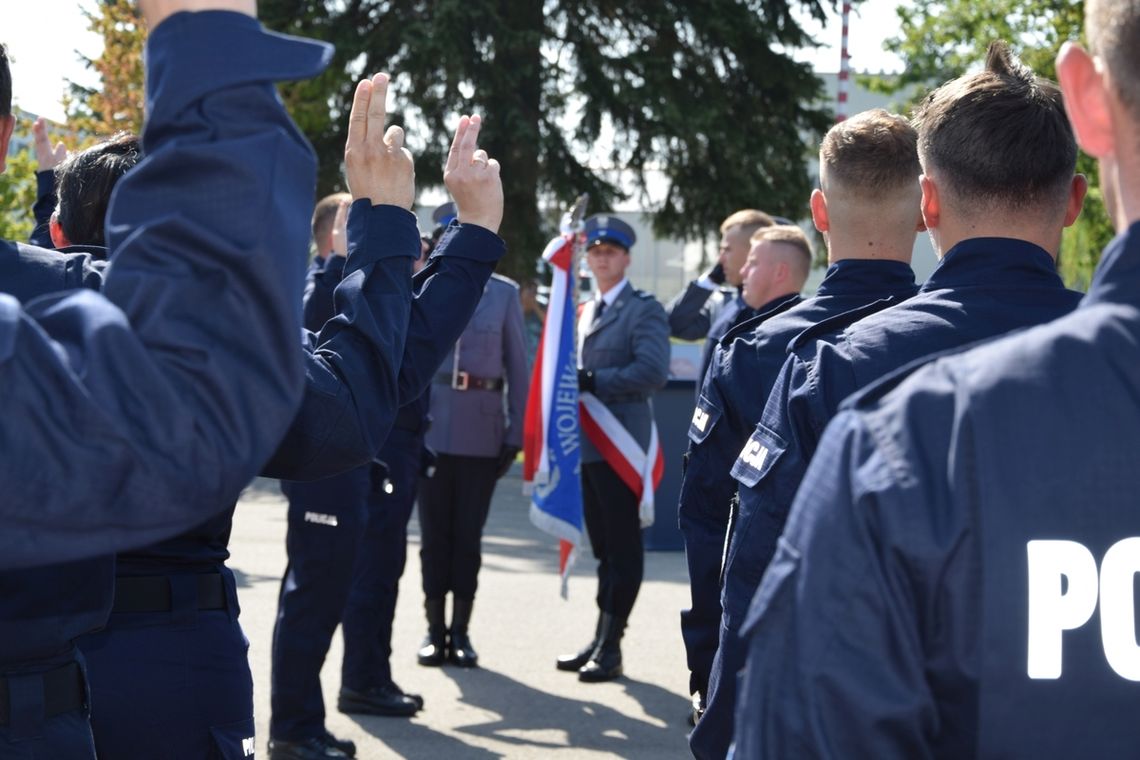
x,y
1077,191
58,239
1085,89
931,203
819,211
7,125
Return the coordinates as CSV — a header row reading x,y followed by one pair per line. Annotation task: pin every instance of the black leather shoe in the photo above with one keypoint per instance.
x,y
574,662
414,697
434,648
459,649
378,700
347,746
460,652
314,748
605,662
604,665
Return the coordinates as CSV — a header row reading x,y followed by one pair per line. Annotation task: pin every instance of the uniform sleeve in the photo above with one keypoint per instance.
x,y
130,418
690,313
836,666
348,404
518,383
320,284
649,369
43,208
768,471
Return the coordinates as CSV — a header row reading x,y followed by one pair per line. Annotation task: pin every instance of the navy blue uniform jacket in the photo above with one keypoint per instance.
x,y
137,412
957,577
983,288
746,364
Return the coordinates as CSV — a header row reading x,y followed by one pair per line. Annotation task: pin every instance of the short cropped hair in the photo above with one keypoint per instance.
x,y
5,83
749,219
84,182
791,235
999,137
325,214
874,153
1113,27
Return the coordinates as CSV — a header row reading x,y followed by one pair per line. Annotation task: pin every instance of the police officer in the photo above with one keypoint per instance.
x,y
996,210
89,451
623,355
993,610
477,403
366,675
326,517
712,304
868,212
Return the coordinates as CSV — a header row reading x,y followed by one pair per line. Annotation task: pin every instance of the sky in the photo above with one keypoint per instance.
x,y
44,57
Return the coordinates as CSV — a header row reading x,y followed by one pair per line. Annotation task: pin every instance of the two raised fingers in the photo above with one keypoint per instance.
x,y
370,112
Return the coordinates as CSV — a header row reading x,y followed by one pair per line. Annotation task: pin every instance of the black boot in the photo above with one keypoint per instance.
x,y
435,643
576,661
459,650
605,662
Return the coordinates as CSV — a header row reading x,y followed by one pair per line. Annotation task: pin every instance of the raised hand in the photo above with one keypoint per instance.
x,y
377,165
472,178
47,157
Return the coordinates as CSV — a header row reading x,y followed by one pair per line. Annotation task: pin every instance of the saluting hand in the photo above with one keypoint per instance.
x,y
472,178
377,165
47,157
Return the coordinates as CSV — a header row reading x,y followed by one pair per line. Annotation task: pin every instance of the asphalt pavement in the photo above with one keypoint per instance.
x,y
516,704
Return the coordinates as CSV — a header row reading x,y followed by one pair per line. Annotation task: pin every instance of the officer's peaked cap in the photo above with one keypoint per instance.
x,y
609,229
444,214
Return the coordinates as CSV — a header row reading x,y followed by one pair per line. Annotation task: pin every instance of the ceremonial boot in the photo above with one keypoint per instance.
x,y
605,661
434,647
574,662
459,649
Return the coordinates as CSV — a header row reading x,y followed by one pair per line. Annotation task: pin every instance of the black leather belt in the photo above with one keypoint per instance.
x,y
464,381
151,593
64,691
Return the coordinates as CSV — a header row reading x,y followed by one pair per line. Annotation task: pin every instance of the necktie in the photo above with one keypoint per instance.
x,y
599,307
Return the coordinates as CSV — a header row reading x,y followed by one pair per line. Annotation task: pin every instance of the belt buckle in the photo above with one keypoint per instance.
x,y
460,380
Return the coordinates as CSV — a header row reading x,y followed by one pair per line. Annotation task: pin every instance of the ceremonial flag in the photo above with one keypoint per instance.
x,y
551,444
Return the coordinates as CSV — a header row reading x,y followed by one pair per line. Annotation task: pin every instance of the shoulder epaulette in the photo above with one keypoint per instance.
x,y
753,322
505,281
839,321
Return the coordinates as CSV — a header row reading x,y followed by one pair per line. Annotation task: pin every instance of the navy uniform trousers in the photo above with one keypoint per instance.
x,y
383,551
326,518
186,666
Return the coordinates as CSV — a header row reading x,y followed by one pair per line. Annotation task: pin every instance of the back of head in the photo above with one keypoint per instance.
x,y
84,182
868,160
1113,29
794,249
748,220
324,215
998,140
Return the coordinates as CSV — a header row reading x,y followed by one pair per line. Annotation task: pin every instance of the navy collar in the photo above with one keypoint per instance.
x,y
873,276
994,261
776,304
1117,277
95,251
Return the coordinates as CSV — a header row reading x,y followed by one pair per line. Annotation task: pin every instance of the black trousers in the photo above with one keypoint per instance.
x,y
453,507
610,510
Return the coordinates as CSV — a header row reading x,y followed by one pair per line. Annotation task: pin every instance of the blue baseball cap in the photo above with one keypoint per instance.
x,y
444,214
609,229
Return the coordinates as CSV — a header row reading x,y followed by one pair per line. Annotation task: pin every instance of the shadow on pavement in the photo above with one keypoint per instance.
x,y
587,724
